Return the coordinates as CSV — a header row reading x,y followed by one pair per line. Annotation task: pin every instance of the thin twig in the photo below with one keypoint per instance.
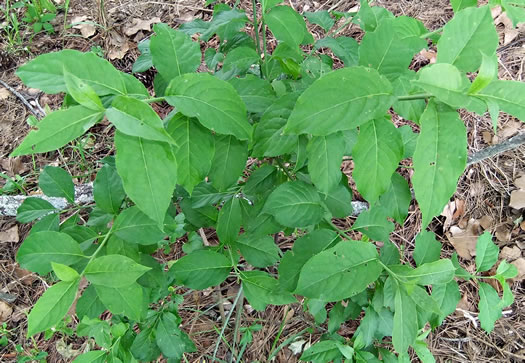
x,y
22,99
226,324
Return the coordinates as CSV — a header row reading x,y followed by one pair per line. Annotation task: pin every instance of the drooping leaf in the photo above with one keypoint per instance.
x,y
171,340
144,60
237,62
339,272
258,251
56,182
201,269
257,93
82,92
344,48
409,140
397,199
41,248
341,100
321,18
261,289
325,154
114,271
57,129
427,248
487,72
214,102
447,296
268,135
469,34
439,159
303,249
229,222
134,226
136,118
108,191
294,204
374,224
486,252
287,25
508,95
339,199
52,306
128,300
405,322
376,156
488,306
33,208
226,23
194,151
173,52
228,162
63,272
369,18
149,173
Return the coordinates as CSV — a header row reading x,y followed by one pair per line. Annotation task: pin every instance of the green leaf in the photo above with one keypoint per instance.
x,y
134,226
57,129
172,341
387,52
204,217
486,252
458,5
294,204
173,52
268,4
324,351
108,190
258,251
508,95
46,72
515,10
94,356
144,60
339,199
422,351
376,156
303,249
261,180
257,93
52,306
339,272
409,140
226,23
47,223
229,222
341,100
205,194
144,346
439,159
128,300
194,151
427,248
368,325
487,72
450,86
268,136
114,271
447,296
238,61
344,48
469,34
136,118
424,301
507,270
63,272
149,172
405,322
397,199
489,310
410,110
325,154
89,304
228,162
321,18
287,26
56,182
389,254
214,102
369,18
261,289
430,273
33,208
40,249
374,224
82,92
201,269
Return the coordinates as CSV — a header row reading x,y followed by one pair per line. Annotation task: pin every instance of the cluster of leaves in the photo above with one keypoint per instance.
x,y
38,13
297,118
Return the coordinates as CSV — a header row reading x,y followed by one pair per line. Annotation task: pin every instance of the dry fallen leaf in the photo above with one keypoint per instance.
x,y
464,240
86,30
118,46
5,311
429,55
486,222
520,265
509,32
138,25
4,93
503,233
448,213
11,235
26,277
487,137
510,253
517,199
460,209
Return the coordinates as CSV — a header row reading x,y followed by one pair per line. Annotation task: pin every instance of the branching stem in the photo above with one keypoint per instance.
x,y
421,96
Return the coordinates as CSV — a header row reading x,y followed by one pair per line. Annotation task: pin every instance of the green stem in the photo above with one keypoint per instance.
x,y
256,26
284,169
421,96
154,99
102,244
429,34
392,273
339,232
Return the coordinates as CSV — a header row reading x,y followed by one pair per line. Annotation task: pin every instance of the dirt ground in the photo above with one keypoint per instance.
x,y
481,202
